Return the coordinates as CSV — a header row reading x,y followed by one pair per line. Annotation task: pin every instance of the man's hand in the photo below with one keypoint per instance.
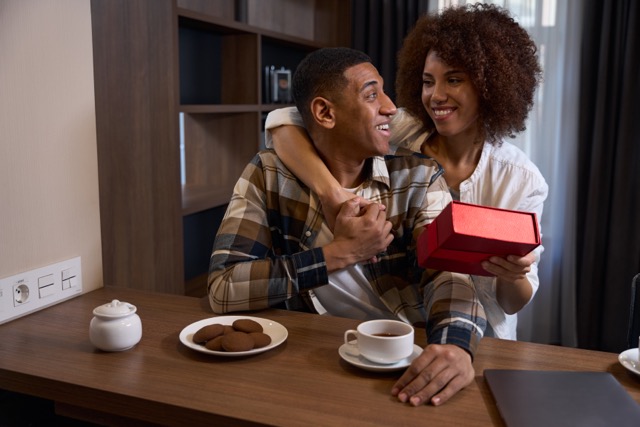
x,y
361,232
435,376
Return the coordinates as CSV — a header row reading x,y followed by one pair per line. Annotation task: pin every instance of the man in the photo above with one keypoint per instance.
x,y
274,248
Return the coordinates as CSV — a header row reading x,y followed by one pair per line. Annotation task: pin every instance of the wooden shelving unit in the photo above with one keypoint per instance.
x,y
180,105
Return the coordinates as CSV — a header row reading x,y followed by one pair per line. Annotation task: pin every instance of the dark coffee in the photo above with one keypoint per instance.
x,y
386,334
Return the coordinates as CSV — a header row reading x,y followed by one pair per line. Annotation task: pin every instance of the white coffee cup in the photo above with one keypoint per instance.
x,y
382,341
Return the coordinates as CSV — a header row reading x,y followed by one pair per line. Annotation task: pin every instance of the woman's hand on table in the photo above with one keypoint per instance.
x,y
435,376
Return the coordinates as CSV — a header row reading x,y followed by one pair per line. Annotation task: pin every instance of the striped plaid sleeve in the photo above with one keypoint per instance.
x,y
244,273
454,312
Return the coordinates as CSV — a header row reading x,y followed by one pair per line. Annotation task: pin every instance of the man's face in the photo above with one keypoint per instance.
x,y
363,113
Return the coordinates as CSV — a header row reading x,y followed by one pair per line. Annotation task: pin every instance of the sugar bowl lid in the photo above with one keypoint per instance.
x,y
114,308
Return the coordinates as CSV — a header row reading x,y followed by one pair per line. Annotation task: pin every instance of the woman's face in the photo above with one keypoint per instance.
x,y
450,98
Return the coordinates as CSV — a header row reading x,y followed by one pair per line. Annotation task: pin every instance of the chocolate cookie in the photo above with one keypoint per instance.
x,y
228,329
261,339
247,325
215,344
237,341
207,333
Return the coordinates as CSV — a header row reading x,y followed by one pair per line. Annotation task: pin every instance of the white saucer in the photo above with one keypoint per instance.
x,y
350,354
275,330
630,359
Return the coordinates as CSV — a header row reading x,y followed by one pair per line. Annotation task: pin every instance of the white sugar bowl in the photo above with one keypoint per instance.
x,y
115,326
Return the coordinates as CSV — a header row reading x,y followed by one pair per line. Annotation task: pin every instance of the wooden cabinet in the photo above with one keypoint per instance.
x,y
180,105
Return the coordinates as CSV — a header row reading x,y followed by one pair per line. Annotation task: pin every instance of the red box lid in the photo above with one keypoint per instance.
x,y
464,235
475,228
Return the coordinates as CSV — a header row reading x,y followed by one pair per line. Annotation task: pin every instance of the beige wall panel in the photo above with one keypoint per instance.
x,y
49,205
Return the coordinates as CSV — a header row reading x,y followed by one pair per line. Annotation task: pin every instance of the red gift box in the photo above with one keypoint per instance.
x,y
464,235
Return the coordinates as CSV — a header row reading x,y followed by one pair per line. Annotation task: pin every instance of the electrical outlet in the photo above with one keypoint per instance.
x,y
20,294
34,290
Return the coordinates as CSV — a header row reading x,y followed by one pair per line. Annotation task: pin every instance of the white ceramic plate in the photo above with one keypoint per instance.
x,y
350,354
630,359
275,330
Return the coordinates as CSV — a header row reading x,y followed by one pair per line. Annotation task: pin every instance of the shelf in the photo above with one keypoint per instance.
x,y
221,109
221,9
180,104
213,64
197,198
265,108
211,108
216,148
298,35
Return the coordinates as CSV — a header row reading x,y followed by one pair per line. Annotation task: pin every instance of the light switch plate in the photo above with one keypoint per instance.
x,y
34,290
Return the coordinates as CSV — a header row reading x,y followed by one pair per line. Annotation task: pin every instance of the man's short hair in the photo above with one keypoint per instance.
x,y
321,73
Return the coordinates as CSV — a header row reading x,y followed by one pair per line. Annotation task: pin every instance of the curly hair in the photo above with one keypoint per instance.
x,y
498,55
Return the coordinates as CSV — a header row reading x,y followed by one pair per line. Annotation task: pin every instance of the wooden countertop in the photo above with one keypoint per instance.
x,y
302,382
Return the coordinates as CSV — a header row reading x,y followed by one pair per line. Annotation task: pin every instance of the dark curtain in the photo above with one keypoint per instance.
x,y
608,222
378,29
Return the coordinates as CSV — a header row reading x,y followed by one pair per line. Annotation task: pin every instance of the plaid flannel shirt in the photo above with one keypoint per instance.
x,y
264,254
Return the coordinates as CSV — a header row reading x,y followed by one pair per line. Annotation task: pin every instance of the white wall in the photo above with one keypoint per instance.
x,y
49,201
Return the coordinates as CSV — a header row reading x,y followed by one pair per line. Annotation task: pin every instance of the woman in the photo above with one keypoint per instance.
x,y
466,80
